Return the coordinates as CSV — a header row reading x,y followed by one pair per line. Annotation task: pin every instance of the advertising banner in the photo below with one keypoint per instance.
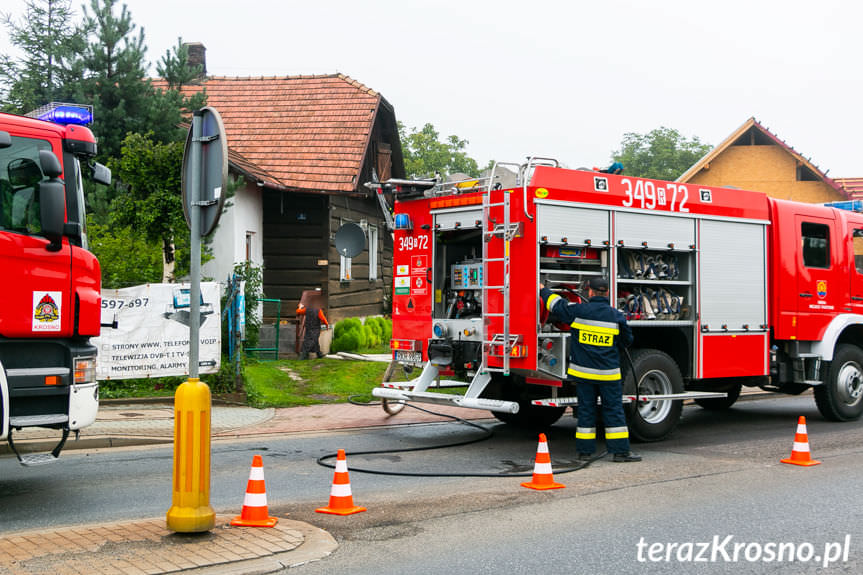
x,y
151,338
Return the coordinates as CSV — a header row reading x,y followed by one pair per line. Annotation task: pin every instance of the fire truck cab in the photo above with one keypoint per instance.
x,y
51,297
723,288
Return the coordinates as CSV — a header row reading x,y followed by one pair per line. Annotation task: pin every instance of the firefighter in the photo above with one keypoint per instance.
x,y
599,333
312,330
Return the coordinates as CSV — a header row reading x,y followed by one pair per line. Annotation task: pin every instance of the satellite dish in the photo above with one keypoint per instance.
x,y
350,240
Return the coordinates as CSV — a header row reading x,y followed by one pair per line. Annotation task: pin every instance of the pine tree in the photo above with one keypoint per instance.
x,y
48,68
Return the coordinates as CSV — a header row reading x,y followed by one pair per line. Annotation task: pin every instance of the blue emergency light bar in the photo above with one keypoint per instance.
x,y
64,114
403,222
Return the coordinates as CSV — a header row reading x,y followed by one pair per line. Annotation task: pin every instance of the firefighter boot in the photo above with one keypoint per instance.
x,y
628,457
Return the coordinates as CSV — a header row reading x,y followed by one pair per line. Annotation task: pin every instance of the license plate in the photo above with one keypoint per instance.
x,y
412,357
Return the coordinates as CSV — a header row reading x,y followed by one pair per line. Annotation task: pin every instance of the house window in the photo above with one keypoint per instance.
x,y
345,274
816,245
373,253
249,236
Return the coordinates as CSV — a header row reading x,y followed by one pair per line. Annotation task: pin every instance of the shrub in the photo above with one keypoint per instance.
x,y
352,335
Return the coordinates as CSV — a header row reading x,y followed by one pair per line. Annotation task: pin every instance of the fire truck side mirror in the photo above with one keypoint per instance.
x,y
52,209
101,174
50,164
5,140
52,200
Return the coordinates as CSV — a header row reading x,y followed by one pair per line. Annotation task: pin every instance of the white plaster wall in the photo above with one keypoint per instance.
x,y
229,239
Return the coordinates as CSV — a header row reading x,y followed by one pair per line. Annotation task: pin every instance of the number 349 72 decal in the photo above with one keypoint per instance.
x,y
645,195
414,242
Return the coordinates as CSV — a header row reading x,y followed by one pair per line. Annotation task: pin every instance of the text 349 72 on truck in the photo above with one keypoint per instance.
x,y
51,286
723,288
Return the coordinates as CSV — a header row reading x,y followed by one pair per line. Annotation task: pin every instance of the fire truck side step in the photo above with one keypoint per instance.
x,y
32,459
409,385
564,401
446,399
38,420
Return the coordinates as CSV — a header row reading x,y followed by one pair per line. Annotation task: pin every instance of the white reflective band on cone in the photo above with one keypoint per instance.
x,y
801,447
341,490
542,468
256,474
542,447
801,428
341,466
255,500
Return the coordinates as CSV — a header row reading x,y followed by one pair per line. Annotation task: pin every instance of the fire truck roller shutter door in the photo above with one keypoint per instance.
x,y
575,224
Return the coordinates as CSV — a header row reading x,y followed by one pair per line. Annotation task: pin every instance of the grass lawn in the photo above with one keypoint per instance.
x,y
286,383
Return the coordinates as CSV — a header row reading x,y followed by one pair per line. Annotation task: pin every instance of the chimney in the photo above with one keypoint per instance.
x,y
198,56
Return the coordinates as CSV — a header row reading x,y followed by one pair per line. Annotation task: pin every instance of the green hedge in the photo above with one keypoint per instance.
x,y
352,335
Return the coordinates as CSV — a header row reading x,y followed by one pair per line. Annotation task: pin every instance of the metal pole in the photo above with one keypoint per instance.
x,y
190,511
195,267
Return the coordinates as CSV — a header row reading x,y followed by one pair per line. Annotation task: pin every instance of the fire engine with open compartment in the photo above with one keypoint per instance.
x,y
723,288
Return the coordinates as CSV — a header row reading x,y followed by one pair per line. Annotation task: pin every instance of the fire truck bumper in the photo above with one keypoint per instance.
x,y
446,399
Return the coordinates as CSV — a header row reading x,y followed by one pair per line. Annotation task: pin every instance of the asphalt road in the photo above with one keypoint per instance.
x,y
718,476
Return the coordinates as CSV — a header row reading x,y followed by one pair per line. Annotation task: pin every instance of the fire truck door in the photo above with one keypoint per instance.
x,y
855,235
819,285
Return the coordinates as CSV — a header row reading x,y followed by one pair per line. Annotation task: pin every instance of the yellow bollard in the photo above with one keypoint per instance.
x,y
191,511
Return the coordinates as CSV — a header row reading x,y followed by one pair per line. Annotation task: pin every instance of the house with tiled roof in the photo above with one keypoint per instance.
x,y
753,158
852,186
304,146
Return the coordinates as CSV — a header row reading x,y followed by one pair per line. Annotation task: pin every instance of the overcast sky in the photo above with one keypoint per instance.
x,y
565,79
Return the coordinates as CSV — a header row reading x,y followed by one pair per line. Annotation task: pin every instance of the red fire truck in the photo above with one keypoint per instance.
x,y
51,295
723,288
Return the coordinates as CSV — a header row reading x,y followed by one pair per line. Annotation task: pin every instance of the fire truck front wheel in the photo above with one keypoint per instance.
x,y
652,420
840,397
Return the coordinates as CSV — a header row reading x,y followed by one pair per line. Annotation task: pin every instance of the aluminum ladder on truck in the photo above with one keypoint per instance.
x,y
506,231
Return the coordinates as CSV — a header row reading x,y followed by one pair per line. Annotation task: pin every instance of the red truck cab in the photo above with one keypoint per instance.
x,y
52,283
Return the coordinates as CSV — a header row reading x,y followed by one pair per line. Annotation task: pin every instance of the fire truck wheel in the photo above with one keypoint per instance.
x,y
658,373
840,397
719,403
395,372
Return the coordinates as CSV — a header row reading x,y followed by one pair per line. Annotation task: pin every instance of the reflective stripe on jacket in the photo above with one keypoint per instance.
x,y
597,330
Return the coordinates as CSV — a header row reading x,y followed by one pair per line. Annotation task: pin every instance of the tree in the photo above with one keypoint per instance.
x,y
115,82
49,68
662,154
151,202
425,154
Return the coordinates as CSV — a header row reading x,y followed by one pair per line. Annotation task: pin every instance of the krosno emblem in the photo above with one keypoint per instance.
x,y
46,309
821,288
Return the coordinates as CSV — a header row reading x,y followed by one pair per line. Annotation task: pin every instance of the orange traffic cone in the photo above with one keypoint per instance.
x,y
542,476
800,451
341,500
255,513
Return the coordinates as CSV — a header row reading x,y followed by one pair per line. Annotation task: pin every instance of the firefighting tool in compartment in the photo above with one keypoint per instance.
x,y
255,512
702,274
800,449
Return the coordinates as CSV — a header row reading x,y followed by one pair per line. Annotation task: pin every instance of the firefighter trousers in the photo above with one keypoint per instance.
x,y
616,431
